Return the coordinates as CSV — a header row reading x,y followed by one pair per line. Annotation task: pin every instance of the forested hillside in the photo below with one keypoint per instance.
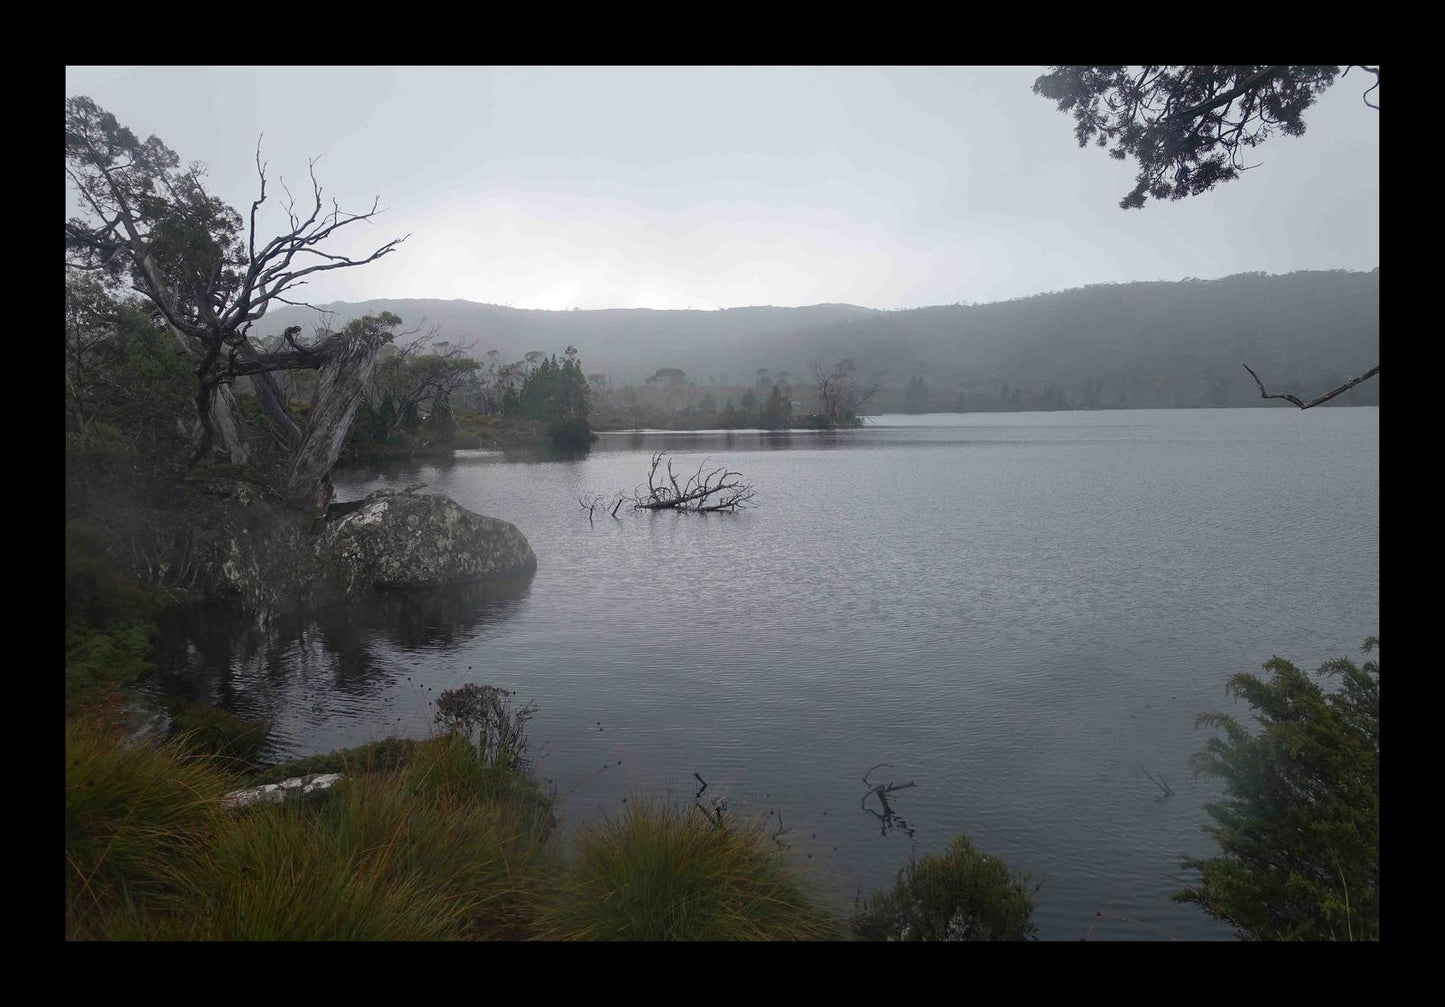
x,y
1156,344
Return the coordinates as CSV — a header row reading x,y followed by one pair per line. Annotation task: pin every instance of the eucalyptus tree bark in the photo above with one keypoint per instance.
x,y
223,417
341,381
273,404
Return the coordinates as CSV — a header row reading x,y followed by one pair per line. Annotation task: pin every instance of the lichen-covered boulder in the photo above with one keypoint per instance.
x,y
396,539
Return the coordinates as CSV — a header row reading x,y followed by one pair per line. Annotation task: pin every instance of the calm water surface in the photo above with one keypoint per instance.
x,y
1015,611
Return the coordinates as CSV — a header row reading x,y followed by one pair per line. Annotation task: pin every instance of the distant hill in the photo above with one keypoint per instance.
x,y
1136,344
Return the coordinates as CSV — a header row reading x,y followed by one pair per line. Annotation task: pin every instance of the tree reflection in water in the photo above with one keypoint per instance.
x,y
213,656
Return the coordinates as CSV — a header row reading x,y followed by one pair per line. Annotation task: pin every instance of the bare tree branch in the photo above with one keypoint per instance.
x,y
702,493
200,264
1315,401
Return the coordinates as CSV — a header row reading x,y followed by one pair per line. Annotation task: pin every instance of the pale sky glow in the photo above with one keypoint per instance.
x,y
706,188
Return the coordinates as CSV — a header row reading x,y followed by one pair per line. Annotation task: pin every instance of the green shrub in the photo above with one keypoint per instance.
x,y
95,658
959,895
571,434
110,625
662,873
483,715
1299,826
95,591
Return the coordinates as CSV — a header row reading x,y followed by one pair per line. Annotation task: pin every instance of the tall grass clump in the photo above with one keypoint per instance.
x,y
441,848
961,894
658,872
426,853
130,813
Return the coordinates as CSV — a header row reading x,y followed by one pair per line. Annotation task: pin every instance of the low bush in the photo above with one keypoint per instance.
x,y
958,895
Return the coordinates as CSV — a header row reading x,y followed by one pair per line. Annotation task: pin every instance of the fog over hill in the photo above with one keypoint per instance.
x,y
1135,344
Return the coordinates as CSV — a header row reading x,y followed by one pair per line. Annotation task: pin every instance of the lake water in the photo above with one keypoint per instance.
x,y
1016,612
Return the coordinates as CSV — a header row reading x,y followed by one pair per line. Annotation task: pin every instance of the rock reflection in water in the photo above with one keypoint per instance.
x,y
312,670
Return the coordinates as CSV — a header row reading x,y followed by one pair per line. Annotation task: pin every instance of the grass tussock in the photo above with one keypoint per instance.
x,y
423,840
439,850
444,848
658,872
129,812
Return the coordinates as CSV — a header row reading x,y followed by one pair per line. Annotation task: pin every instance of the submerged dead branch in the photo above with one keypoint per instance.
x,y
888,818
715,810
590,502
1160,782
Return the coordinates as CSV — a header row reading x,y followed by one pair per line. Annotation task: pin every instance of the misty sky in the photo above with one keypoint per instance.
x,y
706,188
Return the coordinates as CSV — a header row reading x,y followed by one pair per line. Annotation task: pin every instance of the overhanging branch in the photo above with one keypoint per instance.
x,y
1315,401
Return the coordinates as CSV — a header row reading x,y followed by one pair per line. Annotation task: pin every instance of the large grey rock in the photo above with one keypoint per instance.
x,y
396,539
227,540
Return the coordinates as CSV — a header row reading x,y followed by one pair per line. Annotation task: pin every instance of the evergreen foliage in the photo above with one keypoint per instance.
x,y
126,378
1188,126
110,621
777,412
1299,826
553,391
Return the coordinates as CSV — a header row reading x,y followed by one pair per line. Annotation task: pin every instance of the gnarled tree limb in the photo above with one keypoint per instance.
x,y
1315,401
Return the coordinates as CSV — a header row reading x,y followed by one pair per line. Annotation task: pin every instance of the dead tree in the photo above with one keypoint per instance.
x,y
592,502
705,491
149,222
841,397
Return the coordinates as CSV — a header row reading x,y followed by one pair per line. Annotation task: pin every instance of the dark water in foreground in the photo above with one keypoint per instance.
x,y
1015,611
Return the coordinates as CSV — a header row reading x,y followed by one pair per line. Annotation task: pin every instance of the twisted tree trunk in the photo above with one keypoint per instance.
x,y
349,363
223,429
